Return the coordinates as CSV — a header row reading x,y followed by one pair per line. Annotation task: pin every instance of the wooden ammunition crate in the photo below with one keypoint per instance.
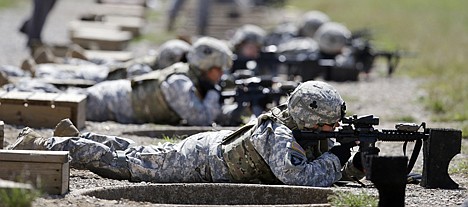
x,y
42,109
101,39
130,24
118,9
46,170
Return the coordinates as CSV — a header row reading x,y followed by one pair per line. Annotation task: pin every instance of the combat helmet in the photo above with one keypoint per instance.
x,y
310,22
315,102
248,33
332,37
209,52
171,52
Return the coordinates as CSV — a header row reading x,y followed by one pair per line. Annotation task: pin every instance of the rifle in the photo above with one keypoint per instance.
x,y
365,53
389,173
258,93
440,145
392,57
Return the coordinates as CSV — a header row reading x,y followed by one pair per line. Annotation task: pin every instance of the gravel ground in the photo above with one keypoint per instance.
x,y
392,99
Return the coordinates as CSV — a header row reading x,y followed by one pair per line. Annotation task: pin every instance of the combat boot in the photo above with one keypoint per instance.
x,y
43,54
3,78
28,139
65,128
76,51
28,64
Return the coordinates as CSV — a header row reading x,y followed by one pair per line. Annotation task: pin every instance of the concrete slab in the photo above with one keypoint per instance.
x,y
190,194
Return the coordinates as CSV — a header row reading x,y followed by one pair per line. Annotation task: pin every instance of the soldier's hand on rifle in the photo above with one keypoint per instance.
x,y
343,152
207,86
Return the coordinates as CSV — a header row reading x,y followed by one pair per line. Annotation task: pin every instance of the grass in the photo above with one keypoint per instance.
x,y
352,200
460,166
6,3
174,139
17,197
433,29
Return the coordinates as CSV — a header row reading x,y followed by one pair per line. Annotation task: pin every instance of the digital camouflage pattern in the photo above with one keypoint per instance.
x,y
170,96
315,102
311,21
209,52
248,33
161,96
110,101
332,37
170,52
199,158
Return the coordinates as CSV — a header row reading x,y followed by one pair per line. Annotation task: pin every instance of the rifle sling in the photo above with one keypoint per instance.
x,y
414,154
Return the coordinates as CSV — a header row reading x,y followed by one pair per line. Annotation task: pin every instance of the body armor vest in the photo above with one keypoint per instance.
x,y
243,161
149,104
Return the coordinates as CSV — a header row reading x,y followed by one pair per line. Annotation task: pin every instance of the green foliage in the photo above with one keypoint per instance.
x,y
173,139
6,3
17,197
352,200
464,129
432,29
459,167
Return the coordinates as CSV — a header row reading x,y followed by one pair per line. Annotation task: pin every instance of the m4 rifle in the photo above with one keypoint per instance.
x,y
258,93
439,145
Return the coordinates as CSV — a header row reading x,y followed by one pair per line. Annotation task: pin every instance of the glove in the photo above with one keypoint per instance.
x,y
343,152
206,85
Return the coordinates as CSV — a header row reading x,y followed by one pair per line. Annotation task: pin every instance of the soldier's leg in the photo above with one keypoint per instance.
x,y
113,142
84,153
110,101
194,159
36,23
174,8
91,155
203,16
65,128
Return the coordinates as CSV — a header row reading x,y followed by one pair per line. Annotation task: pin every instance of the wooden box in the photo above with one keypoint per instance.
x,y
42,109
101,39
46,170
77,25
118,9
126,23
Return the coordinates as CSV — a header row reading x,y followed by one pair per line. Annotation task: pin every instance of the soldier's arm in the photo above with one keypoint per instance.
x,y
179,93
288,161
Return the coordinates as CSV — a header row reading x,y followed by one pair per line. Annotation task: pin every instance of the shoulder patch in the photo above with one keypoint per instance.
x,y
296,147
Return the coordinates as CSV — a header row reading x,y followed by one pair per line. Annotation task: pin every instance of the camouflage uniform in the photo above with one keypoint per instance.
x,y
161,96
179,94
263,151
203,157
